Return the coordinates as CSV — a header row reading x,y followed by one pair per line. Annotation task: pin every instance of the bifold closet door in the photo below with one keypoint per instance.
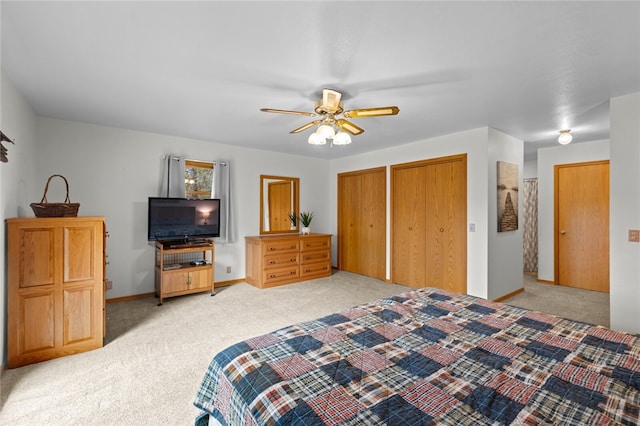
x,y
446,216
362,222
429,214
408,205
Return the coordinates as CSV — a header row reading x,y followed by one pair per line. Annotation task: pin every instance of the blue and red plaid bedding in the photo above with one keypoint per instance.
x,y
427,357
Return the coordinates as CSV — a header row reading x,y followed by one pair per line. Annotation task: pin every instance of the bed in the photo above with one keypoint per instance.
x,y
427,357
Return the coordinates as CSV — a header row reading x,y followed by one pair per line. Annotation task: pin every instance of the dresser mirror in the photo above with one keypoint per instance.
x,y
279,196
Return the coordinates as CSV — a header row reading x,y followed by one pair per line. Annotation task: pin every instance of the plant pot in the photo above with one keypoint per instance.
x,y
305,230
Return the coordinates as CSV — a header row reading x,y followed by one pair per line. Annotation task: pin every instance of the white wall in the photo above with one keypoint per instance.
x,y
547,159
530,170
625,212
111,172
505,248
17,121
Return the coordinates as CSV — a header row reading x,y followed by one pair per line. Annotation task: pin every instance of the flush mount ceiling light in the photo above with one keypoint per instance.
x,y
565,137
332,129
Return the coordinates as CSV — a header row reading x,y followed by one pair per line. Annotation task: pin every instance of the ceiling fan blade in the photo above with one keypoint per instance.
x,y
306,126
286,111
349,127
372,112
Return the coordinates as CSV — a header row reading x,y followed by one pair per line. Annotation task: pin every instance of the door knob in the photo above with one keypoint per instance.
x,y
563,232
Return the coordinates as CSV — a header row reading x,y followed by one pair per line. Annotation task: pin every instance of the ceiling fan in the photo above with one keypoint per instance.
x,y
329,109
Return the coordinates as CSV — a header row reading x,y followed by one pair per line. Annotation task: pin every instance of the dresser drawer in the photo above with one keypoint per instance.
x,y
315,243
283,246
282,274
315,270
280,260
315,257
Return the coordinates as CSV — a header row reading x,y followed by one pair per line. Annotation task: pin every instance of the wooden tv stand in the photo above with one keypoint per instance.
x,y
184,268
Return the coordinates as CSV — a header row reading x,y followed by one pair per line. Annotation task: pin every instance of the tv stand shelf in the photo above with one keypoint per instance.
x,y
183,268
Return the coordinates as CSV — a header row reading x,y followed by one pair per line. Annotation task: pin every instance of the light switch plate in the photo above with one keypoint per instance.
x,y
634,235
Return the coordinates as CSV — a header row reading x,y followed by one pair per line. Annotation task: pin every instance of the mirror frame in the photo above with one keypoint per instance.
x,y
296,201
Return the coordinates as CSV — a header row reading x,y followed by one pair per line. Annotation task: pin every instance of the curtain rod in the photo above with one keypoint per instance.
x,y
222,163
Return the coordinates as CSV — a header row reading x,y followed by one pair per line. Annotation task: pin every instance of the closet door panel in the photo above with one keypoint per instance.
x,y
372,238
446,226
348,222
408,206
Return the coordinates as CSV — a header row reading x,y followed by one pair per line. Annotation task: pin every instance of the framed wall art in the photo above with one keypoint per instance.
x,y
507,196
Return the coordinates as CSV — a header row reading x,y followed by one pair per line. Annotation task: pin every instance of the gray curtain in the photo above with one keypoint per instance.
x,y
173,177
221,188
530,237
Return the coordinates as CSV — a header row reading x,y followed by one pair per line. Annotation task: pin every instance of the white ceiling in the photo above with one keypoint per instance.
x,y
203,69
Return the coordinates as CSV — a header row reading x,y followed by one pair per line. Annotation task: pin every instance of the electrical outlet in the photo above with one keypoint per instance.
x,y
108,284
228,269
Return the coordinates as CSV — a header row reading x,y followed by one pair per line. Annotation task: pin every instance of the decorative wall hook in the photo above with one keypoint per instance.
x,y
3,150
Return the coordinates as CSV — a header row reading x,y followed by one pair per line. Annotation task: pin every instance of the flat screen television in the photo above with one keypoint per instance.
x,y
182,219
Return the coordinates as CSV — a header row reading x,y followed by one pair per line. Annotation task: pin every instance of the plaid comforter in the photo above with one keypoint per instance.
x,y
425,357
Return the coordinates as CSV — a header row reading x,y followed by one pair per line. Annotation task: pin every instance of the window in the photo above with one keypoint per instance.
x,y
198,179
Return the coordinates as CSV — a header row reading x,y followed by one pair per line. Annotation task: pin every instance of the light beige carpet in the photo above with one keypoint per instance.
x,y
154,357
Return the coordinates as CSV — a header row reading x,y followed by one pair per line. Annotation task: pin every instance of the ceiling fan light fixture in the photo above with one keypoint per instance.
x,y
342,138
316,139
565,137
326,131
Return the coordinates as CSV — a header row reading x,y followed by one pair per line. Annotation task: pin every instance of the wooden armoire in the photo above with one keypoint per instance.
x,y
428,223
55,287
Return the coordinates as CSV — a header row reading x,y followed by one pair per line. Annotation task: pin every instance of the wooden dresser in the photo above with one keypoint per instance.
x,y
55,287
274,260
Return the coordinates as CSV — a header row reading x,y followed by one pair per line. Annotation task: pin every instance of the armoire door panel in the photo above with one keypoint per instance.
x,y
36,322
78,313
37,262
79,252
408,237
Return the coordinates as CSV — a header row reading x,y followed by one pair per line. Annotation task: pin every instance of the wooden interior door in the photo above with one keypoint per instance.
x,y
429,215
279,200
408,206
582,225
362,222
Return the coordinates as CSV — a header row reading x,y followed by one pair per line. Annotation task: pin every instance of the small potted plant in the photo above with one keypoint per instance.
x,y
305,221
293,218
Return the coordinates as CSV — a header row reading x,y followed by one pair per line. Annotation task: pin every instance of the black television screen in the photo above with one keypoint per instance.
x,y
183,219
